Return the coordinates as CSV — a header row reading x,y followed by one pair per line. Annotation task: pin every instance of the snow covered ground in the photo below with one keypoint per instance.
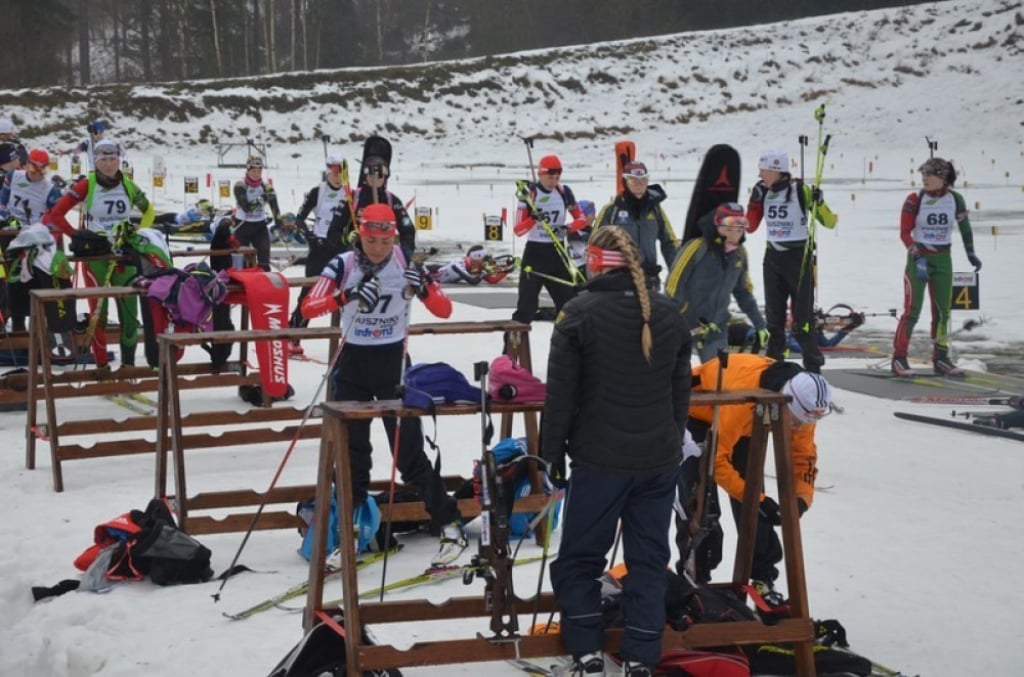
x,y
916,548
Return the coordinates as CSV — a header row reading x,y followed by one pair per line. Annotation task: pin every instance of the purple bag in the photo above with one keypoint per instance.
x,y
191,294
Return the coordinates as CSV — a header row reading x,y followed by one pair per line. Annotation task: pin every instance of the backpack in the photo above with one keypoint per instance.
x,y
148,542
516,481
365,522
322,653
511,382
430,384
190,295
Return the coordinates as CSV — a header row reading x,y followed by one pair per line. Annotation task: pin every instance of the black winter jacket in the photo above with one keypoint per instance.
x,y
606,407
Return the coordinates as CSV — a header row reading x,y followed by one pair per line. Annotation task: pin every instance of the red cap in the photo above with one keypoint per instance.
x,y
550,164
377,219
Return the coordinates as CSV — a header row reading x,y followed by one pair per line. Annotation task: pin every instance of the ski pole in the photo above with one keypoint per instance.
x,y
528,270
394,455
287,455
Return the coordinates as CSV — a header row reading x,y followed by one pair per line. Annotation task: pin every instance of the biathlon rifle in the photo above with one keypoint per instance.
x,y
493,561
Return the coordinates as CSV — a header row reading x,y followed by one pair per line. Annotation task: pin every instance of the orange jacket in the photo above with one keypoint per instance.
x,y
736,421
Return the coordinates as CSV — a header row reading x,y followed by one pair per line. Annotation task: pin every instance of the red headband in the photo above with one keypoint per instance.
x,y
602,259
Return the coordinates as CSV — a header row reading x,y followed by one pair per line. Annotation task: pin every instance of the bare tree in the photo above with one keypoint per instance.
x,y
83,42
216,38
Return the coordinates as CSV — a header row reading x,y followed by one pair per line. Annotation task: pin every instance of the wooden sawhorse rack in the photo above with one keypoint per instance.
x,y
171,439
42,382
771,413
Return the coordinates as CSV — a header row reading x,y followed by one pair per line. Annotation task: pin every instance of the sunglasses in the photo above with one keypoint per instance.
x,y
334,168
734,223
42,169
551,172
635,178
377,227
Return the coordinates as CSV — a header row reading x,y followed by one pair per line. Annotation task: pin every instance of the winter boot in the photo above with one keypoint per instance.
x,y
943,365
453,542
631,669
588,665
295,349
127,356
771,596
901,367
990,421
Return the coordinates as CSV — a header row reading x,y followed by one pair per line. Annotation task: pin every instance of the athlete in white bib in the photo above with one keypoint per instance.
x,y
926,229
789,274
373,285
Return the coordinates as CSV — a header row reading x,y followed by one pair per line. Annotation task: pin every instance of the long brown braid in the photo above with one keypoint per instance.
x,y
616,239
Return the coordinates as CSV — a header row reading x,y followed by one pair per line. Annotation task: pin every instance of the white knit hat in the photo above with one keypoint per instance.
x,y
810,397
774,159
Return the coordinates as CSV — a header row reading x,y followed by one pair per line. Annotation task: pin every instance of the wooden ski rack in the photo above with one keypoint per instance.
x,y
13,387
42,383
771,414
172,441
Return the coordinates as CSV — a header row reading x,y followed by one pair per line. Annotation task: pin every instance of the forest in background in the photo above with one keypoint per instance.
x,y
83,42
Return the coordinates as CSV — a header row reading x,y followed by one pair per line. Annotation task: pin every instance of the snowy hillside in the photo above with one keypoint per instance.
x,y
914,56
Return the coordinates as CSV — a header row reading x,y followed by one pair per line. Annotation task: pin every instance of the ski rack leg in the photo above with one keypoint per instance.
x,y
775,417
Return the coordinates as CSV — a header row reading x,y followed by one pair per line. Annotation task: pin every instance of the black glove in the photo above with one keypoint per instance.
x,y
368,293
413,278
759,191
769,511
816,195
557,472
801,506
975,261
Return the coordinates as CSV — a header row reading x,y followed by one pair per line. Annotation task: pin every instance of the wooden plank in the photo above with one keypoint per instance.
x,y
368,410
532,646
205,524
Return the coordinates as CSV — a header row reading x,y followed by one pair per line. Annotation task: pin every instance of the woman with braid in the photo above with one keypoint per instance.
x,y
617,398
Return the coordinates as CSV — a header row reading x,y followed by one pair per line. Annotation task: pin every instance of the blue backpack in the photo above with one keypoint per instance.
x,y
430,384
513,474
365,518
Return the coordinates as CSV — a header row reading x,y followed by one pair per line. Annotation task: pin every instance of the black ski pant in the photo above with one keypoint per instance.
x,y
595,502
255,234
767,548
320,254
788,278
541,257
366,373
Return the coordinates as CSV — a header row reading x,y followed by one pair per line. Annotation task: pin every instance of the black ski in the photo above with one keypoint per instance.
x,y
959,425
718,181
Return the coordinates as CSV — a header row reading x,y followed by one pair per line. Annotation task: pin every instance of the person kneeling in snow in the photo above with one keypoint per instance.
x,y
377,277
810,401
